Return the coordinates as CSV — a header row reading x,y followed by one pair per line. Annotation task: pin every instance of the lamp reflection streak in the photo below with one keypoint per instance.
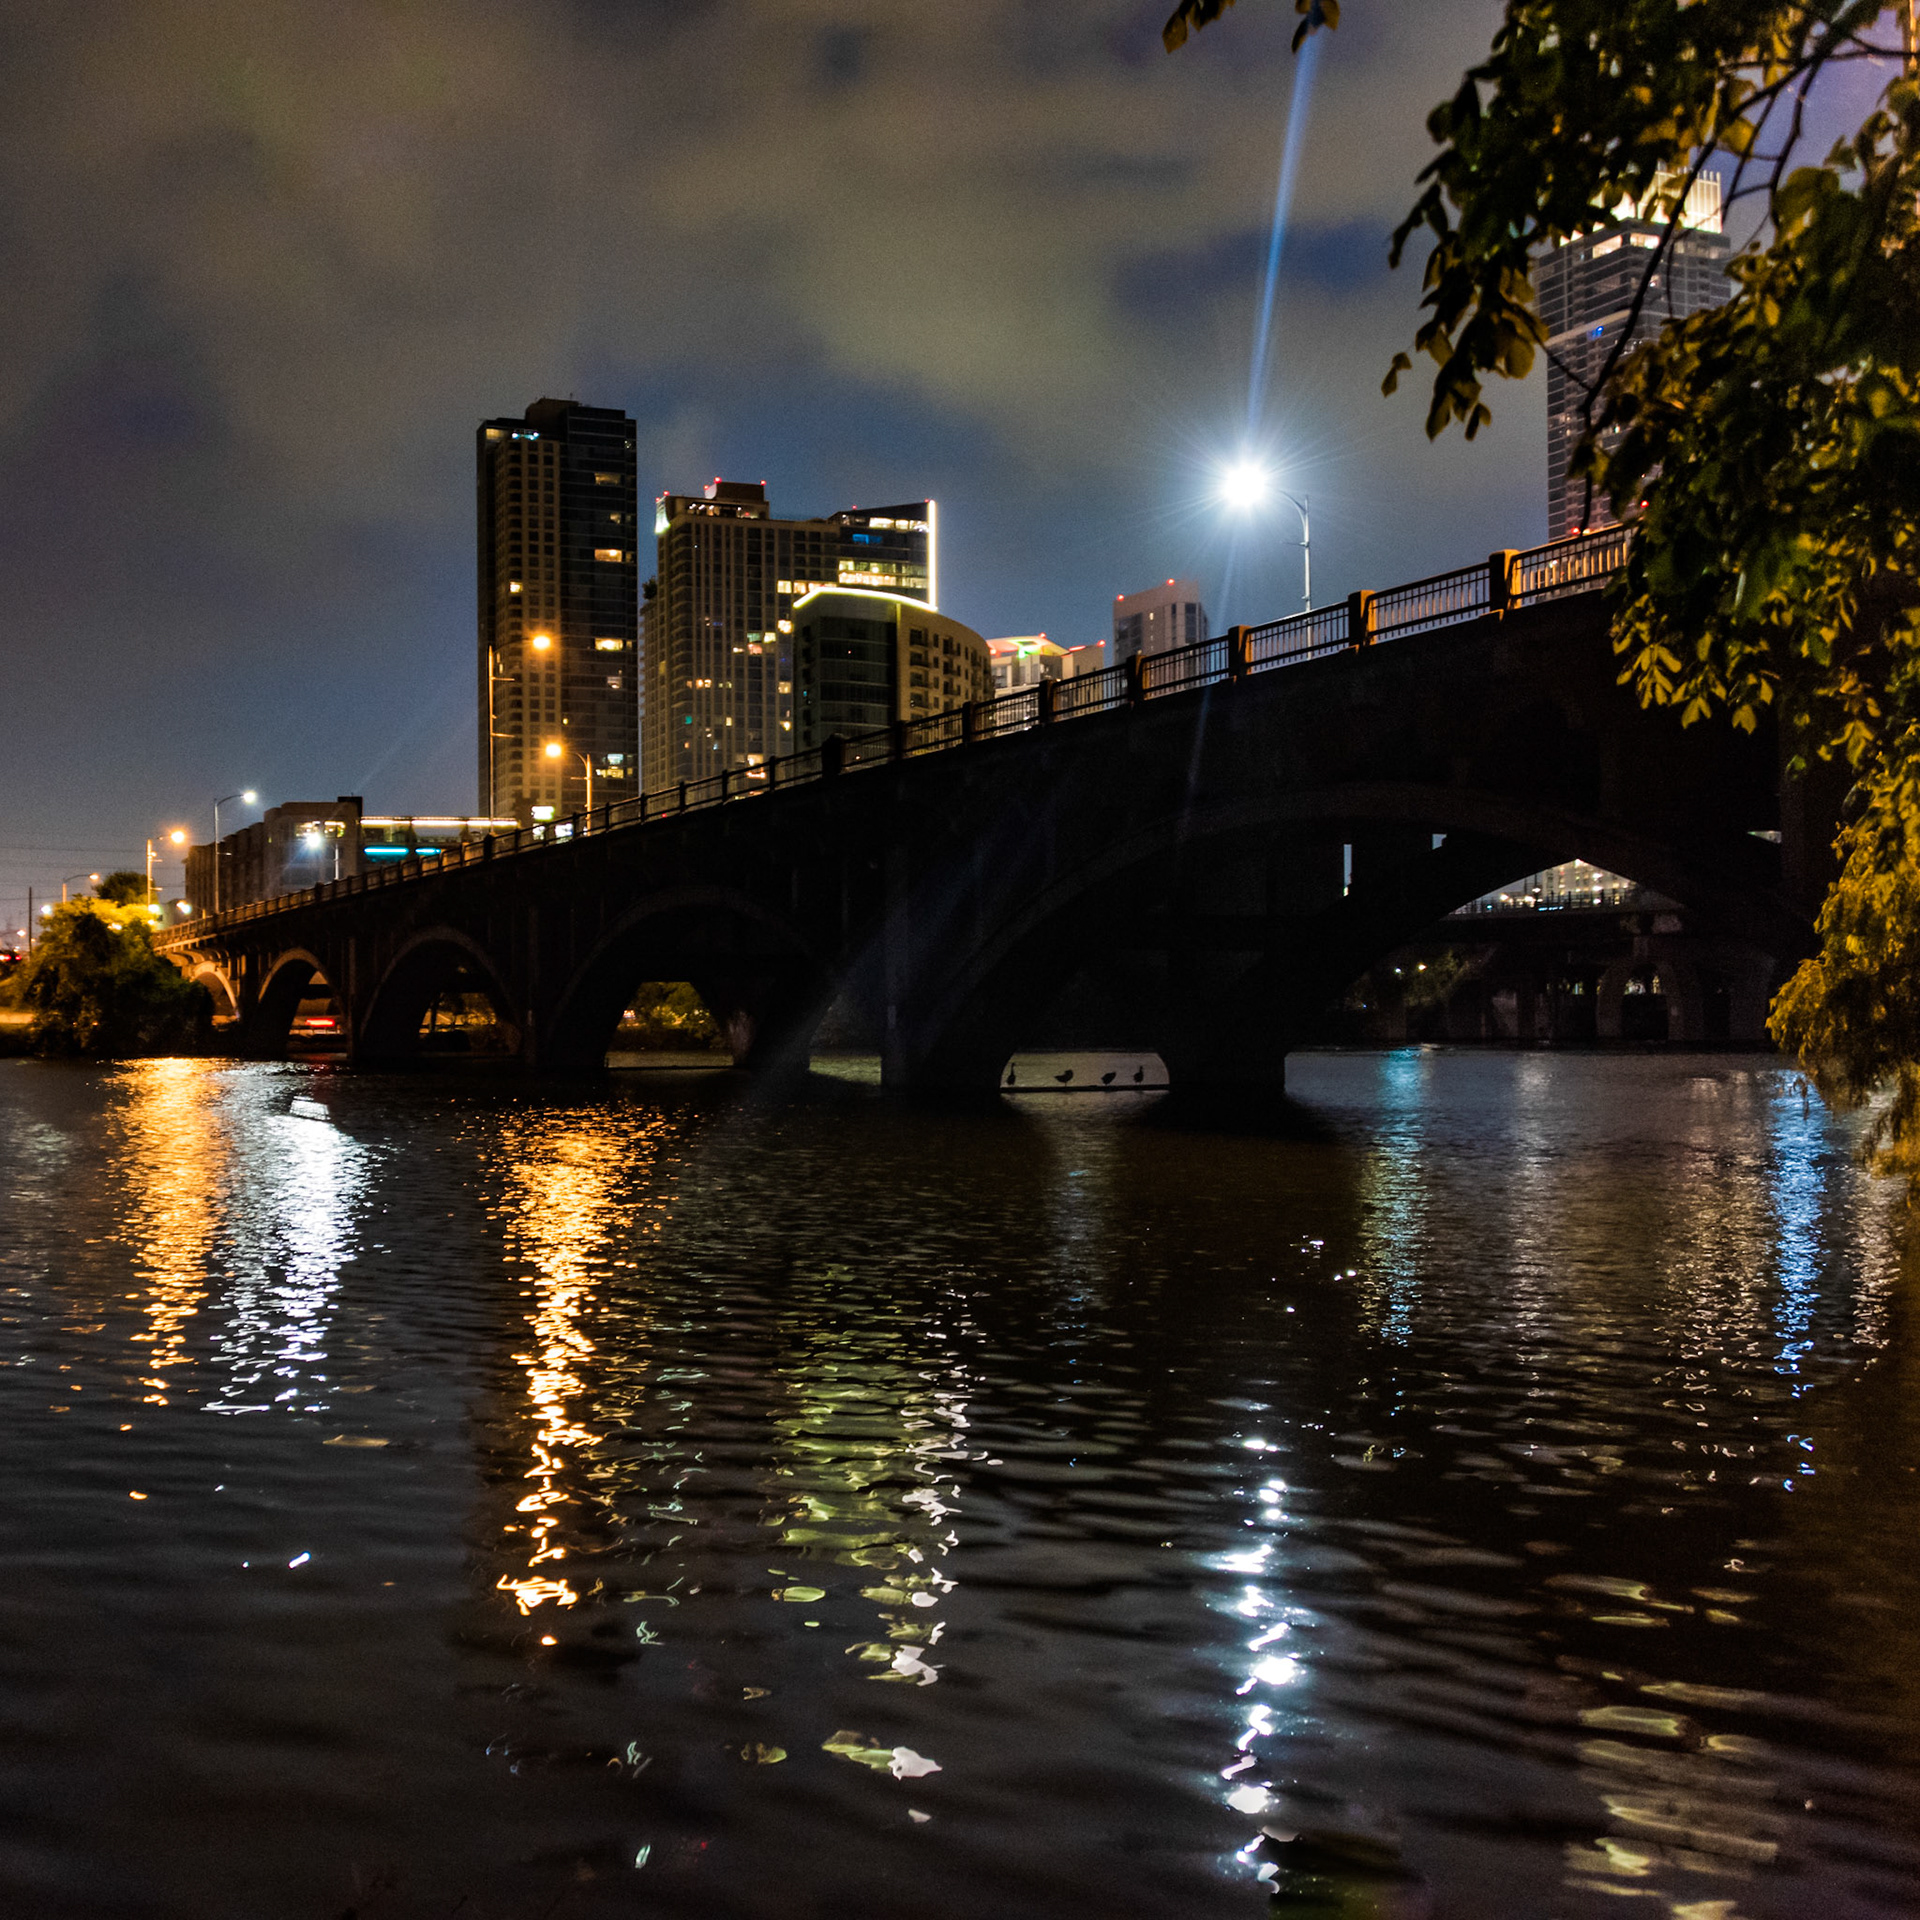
x,y
563,1189
866,1417
304,1180
171,1152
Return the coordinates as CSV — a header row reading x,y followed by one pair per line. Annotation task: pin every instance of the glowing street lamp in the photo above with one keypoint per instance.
x,y
176,837
1244,486
555,751
246,799
92,880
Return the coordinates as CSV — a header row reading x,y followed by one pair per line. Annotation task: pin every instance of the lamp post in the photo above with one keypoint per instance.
x,y
92,879
1245,485
1306,546
176,836
247,798
555,751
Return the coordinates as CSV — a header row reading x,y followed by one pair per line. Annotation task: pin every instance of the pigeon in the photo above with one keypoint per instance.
x,y
1106,1079
1139,1074
1063,1078
1012,1075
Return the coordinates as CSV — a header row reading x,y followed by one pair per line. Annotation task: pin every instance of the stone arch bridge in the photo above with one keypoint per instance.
x,y
1191,855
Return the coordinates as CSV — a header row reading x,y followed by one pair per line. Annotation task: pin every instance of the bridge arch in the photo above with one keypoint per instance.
x,y
765,986
431,963
202,972
1367,868
289,979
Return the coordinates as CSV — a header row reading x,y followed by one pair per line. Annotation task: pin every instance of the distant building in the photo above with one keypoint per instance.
x,y
718,686
559,610
1586,290
863,658
1157,621
1023,660
300,843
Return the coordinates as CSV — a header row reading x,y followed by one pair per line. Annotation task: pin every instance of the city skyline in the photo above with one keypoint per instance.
x,y
255,325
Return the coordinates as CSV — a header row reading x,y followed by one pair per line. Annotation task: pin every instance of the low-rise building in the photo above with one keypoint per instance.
x,y
1025,659
300,843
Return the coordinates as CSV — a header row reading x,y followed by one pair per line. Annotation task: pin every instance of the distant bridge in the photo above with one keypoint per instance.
x,y
1190,854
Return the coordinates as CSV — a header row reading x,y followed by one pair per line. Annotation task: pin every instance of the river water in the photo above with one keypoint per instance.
x,y
1484,1487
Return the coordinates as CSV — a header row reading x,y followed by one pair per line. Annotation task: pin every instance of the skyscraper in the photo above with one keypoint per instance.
x,y
1586,292
717,677
559,611
1157,620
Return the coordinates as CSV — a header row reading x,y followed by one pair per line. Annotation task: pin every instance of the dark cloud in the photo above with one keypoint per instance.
x,y
265,266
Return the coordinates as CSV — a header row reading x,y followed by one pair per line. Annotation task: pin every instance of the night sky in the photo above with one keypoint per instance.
x,y
264,266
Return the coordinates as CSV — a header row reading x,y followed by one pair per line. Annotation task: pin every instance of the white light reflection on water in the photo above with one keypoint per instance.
x,y
1798,1192
1394,1202
304,1182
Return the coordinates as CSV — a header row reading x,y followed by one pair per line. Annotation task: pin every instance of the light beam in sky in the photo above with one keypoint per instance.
x,y
1276,237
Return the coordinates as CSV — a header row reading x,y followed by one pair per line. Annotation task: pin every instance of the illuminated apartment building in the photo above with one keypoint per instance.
x,y
1586,290
1157,620
559,610
863,658
717,687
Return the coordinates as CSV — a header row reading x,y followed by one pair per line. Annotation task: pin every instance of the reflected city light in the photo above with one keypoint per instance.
x,y
566,1183
172,1155
868,1476
305,1186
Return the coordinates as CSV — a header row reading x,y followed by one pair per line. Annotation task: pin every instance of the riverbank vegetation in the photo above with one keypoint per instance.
x,y
95,987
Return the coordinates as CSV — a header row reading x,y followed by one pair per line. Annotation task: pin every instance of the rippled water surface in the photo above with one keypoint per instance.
x,y
1489,1489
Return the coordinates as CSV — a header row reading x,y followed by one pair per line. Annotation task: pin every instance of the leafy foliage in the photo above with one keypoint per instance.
x,y
1192,15
671,1014
96,986
1852,1013
123,887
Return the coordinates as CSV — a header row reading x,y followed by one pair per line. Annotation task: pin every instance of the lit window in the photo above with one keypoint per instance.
x,y
1604,247
606,479
608,646
613,554
513,586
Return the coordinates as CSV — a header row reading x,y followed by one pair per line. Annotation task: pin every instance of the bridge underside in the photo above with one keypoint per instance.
x,y
1197,876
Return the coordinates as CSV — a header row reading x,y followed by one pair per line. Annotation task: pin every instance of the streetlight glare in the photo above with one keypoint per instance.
x,y
1243,485
178,836
249,796
553,749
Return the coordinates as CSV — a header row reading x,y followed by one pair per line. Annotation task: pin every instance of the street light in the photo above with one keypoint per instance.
x,y
555,751
176,836
92,879
247,798
1244,485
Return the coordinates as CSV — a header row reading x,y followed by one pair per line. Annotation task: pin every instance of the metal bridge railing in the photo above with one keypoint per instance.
x,y
1582,563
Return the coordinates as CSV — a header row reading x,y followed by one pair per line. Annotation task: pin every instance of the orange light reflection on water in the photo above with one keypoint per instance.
x,y
173,1154
568,1177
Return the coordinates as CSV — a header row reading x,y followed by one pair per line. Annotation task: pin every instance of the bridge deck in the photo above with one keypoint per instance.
x,y
1503,583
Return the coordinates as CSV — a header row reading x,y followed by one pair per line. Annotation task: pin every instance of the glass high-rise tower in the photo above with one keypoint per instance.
x,y
559,610
718,676
1586,290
